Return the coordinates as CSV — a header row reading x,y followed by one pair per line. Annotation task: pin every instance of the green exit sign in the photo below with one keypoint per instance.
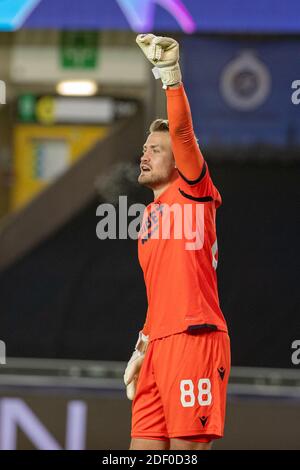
x,y
79,49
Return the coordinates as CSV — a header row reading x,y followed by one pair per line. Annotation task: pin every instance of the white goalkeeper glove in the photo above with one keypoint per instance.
x,y
163,53
134,365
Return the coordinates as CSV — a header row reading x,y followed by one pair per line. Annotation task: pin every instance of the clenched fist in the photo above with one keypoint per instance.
x,y
163,53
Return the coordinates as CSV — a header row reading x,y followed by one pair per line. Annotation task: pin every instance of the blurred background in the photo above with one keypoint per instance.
x,y
77,97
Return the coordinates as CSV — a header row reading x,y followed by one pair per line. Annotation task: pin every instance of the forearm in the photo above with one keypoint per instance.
x,y
187,154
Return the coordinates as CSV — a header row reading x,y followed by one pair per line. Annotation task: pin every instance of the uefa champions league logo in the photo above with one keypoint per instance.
x,y
140,14
2,92
13,13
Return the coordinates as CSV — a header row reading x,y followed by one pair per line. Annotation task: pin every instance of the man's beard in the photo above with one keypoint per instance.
x,y
152,181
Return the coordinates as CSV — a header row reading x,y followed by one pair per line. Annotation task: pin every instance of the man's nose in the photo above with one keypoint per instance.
x,y
145,157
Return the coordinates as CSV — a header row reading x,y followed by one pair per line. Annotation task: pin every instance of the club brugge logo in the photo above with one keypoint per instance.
x,y
2,92
245,82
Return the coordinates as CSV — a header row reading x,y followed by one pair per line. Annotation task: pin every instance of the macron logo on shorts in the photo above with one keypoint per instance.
x,y
221,371
203,420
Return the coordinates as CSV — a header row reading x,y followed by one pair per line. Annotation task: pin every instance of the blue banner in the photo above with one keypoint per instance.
x,y
267,16
241,90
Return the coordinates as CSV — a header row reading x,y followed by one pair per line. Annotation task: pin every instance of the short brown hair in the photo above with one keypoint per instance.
x,y
159,125
162,125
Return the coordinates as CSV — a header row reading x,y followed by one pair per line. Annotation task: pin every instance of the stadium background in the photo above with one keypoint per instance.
x,y
70,304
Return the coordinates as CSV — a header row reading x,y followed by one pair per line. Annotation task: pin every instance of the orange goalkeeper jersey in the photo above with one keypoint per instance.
x,y
177,242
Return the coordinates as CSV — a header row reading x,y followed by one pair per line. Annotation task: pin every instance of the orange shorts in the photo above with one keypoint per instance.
x,y
181,389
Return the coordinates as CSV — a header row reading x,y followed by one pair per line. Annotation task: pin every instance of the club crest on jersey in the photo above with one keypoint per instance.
x,y
151,224
177,222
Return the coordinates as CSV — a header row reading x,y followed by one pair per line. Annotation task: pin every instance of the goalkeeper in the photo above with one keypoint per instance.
x,y
177,376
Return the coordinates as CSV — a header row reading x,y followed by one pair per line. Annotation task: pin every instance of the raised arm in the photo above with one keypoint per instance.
x,y
188,157
163,53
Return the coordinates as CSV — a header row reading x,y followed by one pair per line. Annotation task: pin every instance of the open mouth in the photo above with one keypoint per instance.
x,y
145,168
